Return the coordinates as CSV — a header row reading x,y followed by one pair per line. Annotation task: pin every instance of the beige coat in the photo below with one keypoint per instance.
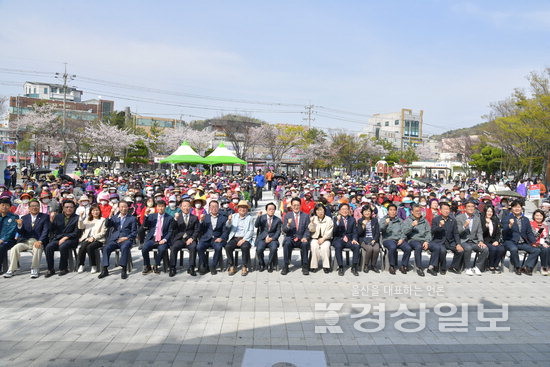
x,y
95,228
321,228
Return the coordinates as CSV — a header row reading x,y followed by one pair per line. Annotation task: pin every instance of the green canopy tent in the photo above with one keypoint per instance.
x,y
222,155
184,154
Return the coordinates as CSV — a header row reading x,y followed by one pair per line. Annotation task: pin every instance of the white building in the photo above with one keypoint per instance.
x,y
402,129
51,91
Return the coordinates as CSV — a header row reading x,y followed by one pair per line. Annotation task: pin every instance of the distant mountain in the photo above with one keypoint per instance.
x,y
474,130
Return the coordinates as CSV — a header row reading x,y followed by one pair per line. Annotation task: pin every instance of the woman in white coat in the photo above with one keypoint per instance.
x,y
320,227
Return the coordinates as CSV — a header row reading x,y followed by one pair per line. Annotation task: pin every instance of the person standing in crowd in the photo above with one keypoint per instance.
x,y
269,175
93,236
490,226
259,183
295,228
269,230
7,177
64,238
321,227
369,238
122,237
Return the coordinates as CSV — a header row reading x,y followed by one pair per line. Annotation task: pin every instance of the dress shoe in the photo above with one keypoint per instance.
x,y
432,271
365,269
123,273
146,270
285,270
261,268
326,270
305,270
156,270
375,269
314,270
341,271
172,272
354,271
202,270
244,271
191,271
104,273
232,270
403,269
213,271
528,271
63,272
518,271
420,272
392,270
454,270
442,271
270,268
52,272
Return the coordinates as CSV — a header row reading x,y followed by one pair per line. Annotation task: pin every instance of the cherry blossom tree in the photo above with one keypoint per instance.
x,y
199,140
107,142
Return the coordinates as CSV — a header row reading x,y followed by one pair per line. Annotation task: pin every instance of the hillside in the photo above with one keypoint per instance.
x,y
473,130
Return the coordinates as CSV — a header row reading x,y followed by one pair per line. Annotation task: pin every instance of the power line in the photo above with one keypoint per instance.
x,y
309,112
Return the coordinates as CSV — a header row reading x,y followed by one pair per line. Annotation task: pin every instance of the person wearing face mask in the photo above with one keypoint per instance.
x,y
113,201
198,206
172,208
83,206
47,205
104,206
234,202
23,207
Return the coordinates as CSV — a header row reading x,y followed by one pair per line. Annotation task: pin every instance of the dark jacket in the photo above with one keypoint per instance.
x,y
150,223
184,232
514,233
274,232
303,224
448,234
206,232
59,230
497,231
129,228
375,227
341,230
40,231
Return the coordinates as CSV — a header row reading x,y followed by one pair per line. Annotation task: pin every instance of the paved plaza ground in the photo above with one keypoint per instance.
x,y
154,320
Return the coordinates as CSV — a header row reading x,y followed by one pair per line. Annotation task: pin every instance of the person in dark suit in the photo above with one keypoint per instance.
x,y
33,230
490,226
444,237
518,235
345,236
213,233
368,234
269,230
160,226
186,236
471,239
295,228
8,228
64,237
123,235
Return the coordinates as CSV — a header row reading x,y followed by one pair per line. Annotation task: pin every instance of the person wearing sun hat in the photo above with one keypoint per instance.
x,y
240,236
23,207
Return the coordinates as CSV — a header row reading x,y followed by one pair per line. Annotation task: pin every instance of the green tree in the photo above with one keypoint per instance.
x,y
137,154
488,160
117,119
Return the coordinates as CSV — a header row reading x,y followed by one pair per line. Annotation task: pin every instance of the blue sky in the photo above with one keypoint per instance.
x,y
449,58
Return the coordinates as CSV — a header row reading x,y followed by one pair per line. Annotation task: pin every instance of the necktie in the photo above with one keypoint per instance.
x,y
66,221
345,222
269,220
186,219
297,220
122,222
158,230
32,222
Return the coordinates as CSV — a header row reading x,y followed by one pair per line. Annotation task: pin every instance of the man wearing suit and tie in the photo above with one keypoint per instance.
x,y
160,226
345,236
444,237
295,228
186,236
33,230
518,235
471,239
122,236
213,233
64,237
269,228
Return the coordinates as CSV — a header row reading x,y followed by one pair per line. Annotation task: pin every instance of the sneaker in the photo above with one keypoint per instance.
x,y
469,272
94,270
9,274
476,270
34,273
80,269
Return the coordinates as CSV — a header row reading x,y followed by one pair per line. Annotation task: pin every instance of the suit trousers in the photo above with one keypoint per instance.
x,y
545,257
289,244
89,248
113,245
27,245
320,252
150,245
438,257
513,247
245,249
179,245
63,249
416,246
470,247
205,245
496,254
260,248
339,245
392,247
372,251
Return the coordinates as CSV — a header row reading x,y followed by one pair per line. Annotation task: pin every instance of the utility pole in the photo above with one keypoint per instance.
x,y
64,76
309,112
